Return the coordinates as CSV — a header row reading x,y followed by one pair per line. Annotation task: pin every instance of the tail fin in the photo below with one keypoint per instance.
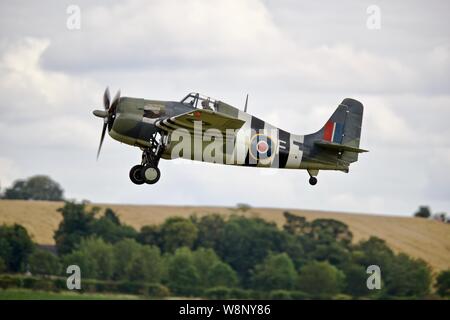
x,y
342,131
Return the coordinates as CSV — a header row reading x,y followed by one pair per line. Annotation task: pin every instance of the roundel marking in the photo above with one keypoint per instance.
x,y
261,147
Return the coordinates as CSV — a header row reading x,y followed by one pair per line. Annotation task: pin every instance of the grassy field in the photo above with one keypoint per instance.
x,y
26,294
420,238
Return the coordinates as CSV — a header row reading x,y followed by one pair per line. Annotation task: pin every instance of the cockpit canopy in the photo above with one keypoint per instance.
x,y
197,100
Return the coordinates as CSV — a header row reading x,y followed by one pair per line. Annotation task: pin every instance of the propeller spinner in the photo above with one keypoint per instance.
x,y
108,114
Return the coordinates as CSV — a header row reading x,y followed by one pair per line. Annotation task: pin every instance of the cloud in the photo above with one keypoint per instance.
x,y
238,39
42,107
168,34
27,84
297,61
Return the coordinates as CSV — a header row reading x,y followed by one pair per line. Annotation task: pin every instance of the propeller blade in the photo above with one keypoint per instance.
x,y
100,113
102,137
106,99
115,102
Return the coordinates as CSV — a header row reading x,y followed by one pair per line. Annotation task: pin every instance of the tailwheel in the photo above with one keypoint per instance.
x,y
136,174
151,174
312,176
313,181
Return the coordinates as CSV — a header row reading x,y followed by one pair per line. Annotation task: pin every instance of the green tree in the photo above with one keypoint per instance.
x,y
43,262
204,260
334,252
276,272
136,262
210,230
109,228
321,239
177,232
330,230
79,223
76,224
96,258
320,279
407,277
356,280
110,215
402,276
38,187
15,247
374,251
443,283
294,248
125,253
2,265
321,230
246,242
150,235
221,275
423,212
87,263
295,225
182,274
243,207
148,265
103,255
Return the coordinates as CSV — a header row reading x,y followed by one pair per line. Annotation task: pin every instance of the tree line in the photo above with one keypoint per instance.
x,y
39,187
42,187
221,257
425,212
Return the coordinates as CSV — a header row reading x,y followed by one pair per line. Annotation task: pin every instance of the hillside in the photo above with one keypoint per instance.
x,y
420,238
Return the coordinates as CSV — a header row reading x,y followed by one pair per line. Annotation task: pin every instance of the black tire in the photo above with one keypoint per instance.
x,y
313,181
151,174
136,175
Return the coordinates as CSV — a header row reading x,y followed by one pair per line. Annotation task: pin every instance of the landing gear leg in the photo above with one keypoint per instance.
x,y
312,176
148,171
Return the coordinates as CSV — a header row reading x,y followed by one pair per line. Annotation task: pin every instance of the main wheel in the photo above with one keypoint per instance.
x,y
151,174
312,181
136,175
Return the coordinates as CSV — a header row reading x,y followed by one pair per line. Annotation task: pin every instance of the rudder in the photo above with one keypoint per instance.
x,y
343,128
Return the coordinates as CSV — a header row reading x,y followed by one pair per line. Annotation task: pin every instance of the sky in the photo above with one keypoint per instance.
x,y
297,60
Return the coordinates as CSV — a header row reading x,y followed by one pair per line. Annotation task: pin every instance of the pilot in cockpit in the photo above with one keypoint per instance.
x,y
205,104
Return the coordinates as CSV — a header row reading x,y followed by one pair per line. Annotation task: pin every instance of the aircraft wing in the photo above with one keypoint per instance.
x,y
338,146
209,120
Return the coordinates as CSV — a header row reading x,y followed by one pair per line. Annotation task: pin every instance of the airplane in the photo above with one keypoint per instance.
x,y
210,130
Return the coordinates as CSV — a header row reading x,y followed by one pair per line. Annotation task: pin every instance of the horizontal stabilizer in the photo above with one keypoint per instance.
x,y
337,146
